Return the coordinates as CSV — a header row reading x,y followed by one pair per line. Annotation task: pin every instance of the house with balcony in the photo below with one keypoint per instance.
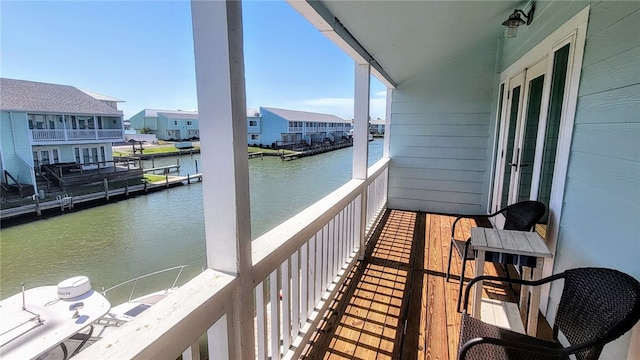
x,y
477,118
47,125
287,127
172,125
376,127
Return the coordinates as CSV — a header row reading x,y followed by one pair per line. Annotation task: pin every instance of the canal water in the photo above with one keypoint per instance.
x,y
118,241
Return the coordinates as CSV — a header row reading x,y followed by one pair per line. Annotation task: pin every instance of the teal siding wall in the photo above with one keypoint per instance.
x,y
441,128
600,220
272,127
21,145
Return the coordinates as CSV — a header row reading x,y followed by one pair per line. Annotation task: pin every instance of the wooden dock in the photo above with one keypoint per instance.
x,y
164,169
68,203
259,154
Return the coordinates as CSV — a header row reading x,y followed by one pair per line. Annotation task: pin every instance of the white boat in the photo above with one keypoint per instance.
x,y
41,320
57,322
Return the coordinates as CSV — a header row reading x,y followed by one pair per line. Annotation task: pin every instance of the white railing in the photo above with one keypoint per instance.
x,y
81,134
301,264
294,129
47,135
110,134
39,135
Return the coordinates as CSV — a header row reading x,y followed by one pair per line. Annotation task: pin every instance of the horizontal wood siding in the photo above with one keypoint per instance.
x,y
600,217
21,146
440,130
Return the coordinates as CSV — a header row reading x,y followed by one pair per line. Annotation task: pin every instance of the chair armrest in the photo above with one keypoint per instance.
x,y
473,281
453,227
538,349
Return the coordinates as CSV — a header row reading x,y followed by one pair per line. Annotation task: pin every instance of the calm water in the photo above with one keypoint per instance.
x,y
116,242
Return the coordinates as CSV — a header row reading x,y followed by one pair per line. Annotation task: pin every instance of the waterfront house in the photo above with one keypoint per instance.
x,y
286,127
172,125
47,124
376,127
475,120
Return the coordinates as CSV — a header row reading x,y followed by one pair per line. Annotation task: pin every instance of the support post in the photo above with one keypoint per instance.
x,y
361,144
106,188
219,60
38,210
126,187
387,124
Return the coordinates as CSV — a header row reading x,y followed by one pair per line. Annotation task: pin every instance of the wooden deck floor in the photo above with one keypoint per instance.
x,y
396,303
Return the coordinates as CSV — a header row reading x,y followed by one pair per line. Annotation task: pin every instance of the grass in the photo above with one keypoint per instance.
x,y
155,178
268,151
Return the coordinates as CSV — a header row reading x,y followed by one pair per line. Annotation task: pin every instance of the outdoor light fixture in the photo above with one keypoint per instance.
x,y
515,20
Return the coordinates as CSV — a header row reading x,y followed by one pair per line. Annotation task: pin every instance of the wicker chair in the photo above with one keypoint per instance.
x,y
597,306
520,216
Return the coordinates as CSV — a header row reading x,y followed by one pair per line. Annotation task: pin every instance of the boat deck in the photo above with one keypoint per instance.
x,y
396,303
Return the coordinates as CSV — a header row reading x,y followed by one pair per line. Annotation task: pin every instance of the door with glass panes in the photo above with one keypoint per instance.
x,y
529,120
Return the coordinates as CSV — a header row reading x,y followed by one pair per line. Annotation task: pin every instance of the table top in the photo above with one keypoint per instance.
x,y
509,242
23,336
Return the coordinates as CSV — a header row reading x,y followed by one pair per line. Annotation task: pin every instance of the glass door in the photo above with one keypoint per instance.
x,y
507,140
524,157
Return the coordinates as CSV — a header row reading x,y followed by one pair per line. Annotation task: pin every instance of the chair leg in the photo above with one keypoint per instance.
x,y
449,266
464,264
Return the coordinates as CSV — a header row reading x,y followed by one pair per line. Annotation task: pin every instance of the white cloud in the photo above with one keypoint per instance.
x,y
381,94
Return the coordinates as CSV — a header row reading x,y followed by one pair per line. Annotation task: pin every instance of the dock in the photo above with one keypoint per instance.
x,y
67,202
315,150
164,169
259,154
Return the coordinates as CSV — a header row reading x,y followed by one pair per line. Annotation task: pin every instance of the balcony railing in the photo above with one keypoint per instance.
x,y
298,267
46,135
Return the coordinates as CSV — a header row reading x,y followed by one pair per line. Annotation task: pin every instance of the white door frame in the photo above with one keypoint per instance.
x,y
573,32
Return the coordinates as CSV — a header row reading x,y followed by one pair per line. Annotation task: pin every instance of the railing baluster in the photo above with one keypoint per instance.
x,y
261,322
306,280
218,339
331,237
286,305
313,275
274,298
192,352
295,294
319,261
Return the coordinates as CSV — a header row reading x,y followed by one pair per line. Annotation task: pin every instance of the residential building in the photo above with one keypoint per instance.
x,y
286,127
45,124
477,121
167,124
376,127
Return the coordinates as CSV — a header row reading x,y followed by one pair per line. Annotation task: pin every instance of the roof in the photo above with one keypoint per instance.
x,y
100,97
189,115
402,38
31,96
377,121
295,115
167,113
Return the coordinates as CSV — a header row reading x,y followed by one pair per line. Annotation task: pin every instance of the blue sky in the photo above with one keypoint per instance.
x,y
142,52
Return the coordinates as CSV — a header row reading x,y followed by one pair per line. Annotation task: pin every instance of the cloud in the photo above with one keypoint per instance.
x,y
381,94
342,107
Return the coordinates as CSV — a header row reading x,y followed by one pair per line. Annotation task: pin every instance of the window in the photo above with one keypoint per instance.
x,y
188,122
255,137
51,121
253,123
175,122
77,153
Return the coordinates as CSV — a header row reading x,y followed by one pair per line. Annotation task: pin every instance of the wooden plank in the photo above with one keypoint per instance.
x,y
503,314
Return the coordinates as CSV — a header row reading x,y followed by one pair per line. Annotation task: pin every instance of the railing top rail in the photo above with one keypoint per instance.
x,y
162,330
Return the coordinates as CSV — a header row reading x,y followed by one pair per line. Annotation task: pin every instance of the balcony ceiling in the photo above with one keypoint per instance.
x,y
405,37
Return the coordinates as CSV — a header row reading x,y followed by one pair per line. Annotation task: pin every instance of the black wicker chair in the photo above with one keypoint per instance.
x,y
597,306
520,216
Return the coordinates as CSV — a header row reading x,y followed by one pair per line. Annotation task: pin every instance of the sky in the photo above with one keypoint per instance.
x,y
142,52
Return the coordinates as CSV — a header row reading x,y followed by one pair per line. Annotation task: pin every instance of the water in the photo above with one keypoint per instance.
x,y
116,242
